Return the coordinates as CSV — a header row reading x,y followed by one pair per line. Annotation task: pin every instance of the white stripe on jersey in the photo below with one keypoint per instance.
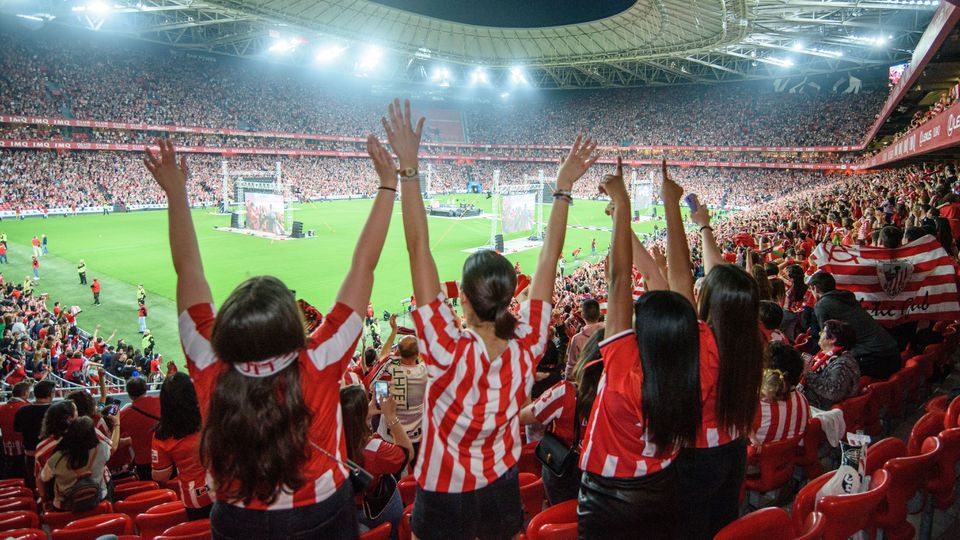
x,y
196,347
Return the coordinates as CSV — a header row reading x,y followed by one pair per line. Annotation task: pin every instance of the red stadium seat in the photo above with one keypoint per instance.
x,y
16,491
532,494
776,462
25,534
18,503
19,519
59,520
854,411
191,530
158,519
952,418
881,398
123,491
565,512
12,482
139,503
844,515
908,474
408,489
94,526
380,533
941,484
929,425
809,454
403,531
558,531
528,460
772,524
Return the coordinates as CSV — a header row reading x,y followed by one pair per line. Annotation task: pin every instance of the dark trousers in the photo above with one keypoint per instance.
x,y
644,507
879,367
492,512
710,480
13,467
334,519
29,479
96,298
83,278
194,514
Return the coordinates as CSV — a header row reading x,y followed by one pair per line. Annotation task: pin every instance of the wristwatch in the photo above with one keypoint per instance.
x,y
409,172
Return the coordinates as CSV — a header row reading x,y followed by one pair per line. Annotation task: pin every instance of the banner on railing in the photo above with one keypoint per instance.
x,y
941,131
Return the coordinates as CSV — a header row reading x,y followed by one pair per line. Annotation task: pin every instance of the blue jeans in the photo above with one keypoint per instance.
x,y
36,273
3,259
392,513
334,519
143,323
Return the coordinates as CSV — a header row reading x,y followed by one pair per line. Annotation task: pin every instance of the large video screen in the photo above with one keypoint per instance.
x,y
518,212
264,212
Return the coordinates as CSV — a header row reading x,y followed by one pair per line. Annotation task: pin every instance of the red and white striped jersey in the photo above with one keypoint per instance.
x,y
322,364
471,427
615,444
777,420
710,434
556,408
184,454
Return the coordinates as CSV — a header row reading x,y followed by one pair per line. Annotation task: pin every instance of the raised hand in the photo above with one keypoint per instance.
x,y
393,322
403,137
702,216
576,163
382,162
171,175
670,191
612,185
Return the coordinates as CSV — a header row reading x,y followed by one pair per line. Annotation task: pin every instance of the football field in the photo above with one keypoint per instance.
x,y
124,250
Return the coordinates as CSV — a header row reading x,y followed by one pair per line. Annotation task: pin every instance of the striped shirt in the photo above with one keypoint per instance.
x,y
710,434
615,444
471,427
322,364
778,420
184,454
556,407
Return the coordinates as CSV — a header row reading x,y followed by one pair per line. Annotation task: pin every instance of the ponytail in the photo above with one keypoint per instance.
x,y
774,386
504,323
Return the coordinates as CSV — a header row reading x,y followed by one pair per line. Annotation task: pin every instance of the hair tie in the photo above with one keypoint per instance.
x,y
265,368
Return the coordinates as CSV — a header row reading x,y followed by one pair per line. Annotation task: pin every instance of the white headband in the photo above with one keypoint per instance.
x,y
268,367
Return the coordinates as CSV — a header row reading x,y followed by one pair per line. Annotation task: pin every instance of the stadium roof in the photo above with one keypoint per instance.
x,y
576,45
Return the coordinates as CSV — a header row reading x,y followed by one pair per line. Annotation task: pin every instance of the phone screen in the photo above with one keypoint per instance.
x,y
381,390
692,202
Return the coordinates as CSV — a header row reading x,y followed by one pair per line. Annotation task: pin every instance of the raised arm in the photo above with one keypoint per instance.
x,y
405,140
620,286
678,252
576,164
653,280
388,343
192,287
711,251
356,287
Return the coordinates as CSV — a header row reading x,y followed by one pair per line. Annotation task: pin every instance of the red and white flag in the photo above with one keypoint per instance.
x,y
915,281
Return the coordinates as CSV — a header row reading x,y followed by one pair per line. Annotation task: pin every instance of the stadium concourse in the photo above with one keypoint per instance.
x,y
762,347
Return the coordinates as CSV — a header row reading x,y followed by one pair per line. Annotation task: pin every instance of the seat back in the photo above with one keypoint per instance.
x,y
764,524
941,484
565,512
908,474
19,519
25,534
18,503
558,531
952,419
379,533
854,410
929,425
121,492
883,451
813,527
408,489
881,393
191,530
158,519
15,491
809,453
59,520
94,527
532,496
847,514
776,461
12,482
139,503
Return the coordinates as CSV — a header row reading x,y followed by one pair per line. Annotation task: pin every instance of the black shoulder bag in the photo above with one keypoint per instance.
x,y
555,454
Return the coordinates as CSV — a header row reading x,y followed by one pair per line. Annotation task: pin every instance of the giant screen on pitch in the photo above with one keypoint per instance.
x,y
518,212
265,212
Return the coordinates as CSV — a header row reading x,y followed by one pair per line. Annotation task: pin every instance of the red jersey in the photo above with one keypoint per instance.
x,y
139,425
36,242
777,420
556,408
381,457
710,435
471,424
96,286
12,439
615,444
185,455
322,364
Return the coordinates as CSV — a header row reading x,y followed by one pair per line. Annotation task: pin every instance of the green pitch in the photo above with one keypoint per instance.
x,y
124,250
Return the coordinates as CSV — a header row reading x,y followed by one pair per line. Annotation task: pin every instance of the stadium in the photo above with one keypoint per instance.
x,y
506,269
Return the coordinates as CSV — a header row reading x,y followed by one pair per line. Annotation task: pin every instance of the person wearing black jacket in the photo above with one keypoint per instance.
x,y
876,350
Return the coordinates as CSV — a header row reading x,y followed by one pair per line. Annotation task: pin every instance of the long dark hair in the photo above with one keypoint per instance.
x,y
179,409
669,342
799,287
356,432
255,438
78,439
763,282
489,281
729,303
57,419
587,373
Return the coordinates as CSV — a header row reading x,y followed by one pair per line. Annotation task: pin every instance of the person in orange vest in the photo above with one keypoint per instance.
x,y
95,287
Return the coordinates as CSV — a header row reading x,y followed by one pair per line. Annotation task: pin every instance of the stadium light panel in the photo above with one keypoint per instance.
x,y
798,46
479,76
328,54
99,7
370,59
517,76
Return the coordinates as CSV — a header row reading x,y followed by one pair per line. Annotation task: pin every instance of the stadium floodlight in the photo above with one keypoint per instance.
x,y
329,53
797,46
517,76
479,76
505,95
99,7
369,59
441,76
282,46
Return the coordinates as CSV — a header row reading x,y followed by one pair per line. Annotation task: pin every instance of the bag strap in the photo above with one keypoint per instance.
x,y
576,424
350,465
143,412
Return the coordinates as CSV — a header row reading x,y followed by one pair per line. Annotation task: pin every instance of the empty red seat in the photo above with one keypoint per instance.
x,y
191,530
380,533
18,503
95,526
843,515
942,483
15,491
408,489
808,456
532,494
558,531
936,404
19,519
59,520
158,519
854,411
139,503
771,524
879,407
908,474
563,513
25,534
952,418
9,482
775,462
123,491
929,425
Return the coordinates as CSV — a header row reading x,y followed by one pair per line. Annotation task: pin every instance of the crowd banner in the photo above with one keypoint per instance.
x,y
941,131
100,124
916,281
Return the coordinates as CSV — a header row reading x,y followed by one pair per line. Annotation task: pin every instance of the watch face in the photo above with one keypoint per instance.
x,y
408,172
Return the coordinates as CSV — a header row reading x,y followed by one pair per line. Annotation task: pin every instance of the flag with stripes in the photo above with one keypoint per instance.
x,y
913,282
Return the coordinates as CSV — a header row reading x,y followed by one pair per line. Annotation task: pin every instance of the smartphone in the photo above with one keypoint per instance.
x,y
692,202
111,410
381,389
